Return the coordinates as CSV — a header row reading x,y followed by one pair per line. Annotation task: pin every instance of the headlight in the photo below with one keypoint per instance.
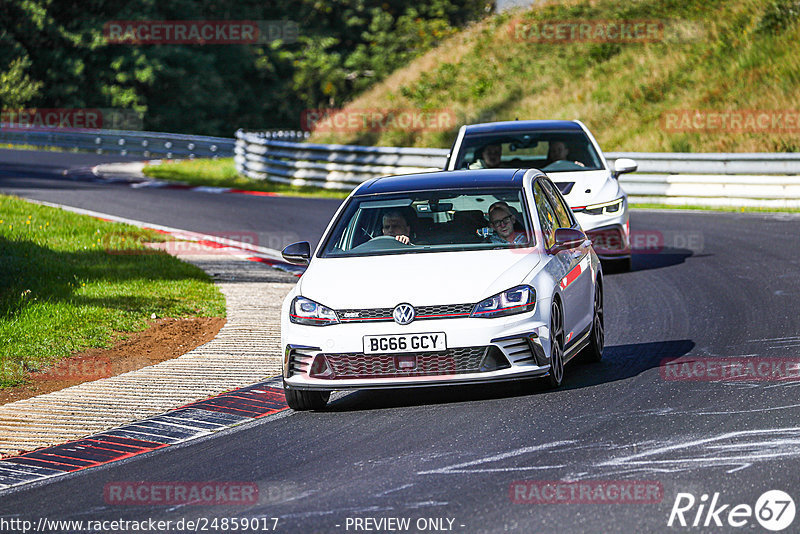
x,y
606,207
518,299
306,311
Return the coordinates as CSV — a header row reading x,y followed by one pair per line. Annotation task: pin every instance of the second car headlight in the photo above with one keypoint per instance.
x,y
306,311
518,299
606,207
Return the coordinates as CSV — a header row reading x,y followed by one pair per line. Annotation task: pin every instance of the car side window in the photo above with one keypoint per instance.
x,y
562,210
547,215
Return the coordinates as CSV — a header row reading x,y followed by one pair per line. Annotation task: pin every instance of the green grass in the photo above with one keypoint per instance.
x,y
12,146
69,282
729,55
222,173
736,209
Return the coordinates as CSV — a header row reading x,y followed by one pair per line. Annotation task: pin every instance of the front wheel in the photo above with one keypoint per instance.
x,y
300,400
556,375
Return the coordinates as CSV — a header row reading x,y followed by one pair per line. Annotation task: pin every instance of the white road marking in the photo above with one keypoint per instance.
x,y
457,468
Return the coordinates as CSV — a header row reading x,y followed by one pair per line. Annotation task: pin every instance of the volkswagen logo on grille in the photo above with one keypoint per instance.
x,y
403,313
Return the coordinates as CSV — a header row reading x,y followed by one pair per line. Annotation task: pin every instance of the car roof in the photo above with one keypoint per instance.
x,y
520,126
425,181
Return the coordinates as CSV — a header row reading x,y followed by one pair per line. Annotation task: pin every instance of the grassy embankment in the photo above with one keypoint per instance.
x,y
69,282
734,55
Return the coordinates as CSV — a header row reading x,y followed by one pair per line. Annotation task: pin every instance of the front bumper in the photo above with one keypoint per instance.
x,y
610,242
478,351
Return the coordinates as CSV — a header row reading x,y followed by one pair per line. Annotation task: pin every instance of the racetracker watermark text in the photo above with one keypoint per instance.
x,y
70,119
78,368
744,369
377,120
731,120
145,32
586,492
587,31
181,493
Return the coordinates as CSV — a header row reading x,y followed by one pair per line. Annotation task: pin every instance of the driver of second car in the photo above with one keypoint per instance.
x,y
559,151
396,225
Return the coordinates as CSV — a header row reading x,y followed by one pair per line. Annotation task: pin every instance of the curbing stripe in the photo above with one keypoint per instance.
x,y
180,425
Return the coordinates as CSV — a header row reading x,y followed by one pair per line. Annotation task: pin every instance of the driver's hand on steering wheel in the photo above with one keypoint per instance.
x,y
403,239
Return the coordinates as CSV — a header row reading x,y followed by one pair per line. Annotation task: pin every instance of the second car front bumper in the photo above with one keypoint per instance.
x,y
610,242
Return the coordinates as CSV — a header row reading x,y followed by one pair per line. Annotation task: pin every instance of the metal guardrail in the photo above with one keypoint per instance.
x,y
713,163
756,179
123,142
133,142
329,166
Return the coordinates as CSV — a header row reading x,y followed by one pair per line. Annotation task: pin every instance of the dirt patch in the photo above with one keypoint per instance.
x,y
163,340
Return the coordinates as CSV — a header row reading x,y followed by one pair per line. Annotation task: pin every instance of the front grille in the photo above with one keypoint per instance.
x,y
449,362
376,315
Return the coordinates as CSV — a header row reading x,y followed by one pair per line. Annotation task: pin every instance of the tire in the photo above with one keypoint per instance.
x,y
301,400
594,350
556,375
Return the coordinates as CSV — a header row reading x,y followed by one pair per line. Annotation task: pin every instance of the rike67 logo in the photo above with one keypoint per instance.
x,y
774,510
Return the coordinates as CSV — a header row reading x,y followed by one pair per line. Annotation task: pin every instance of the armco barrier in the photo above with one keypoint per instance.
x,y
132,143
329,166
124,142
715,179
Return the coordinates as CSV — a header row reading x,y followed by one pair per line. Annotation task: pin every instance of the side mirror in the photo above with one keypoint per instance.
x,y
567,238
623,165
297,253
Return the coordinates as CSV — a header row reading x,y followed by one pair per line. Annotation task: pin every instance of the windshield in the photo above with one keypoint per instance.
x,y
431,221
550,151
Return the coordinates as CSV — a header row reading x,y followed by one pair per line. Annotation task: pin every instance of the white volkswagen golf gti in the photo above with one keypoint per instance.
x,y
440,278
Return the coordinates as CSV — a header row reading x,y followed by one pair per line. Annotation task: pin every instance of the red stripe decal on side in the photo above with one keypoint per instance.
x,y
571,276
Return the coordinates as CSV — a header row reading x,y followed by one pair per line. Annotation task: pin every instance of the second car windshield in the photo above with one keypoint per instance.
x,y
431,221
551,151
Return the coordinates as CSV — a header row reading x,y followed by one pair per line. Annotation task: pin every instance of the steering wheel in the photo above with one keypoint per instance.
x,y
381,242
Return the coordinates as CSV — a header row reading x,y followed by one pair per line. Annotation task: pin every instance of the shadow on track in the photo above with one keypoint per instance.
x,y
619,362
666,257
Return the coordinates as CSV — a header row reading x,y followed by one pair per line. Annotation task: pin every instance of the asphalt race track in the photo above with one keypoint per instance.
x,y
714,285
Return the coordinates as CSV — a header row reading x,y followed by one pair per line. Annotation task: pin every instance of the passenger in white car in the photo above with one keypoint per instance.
x,y
490,157
503,220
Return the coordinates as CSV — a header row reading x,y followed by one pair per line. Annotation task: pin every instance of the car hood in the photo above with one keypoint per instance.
x,y
601,186
420,279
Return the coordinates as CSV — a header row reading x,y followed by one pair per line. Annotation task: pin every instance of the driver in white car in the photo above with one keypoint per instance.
x,y
396,225
559,151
